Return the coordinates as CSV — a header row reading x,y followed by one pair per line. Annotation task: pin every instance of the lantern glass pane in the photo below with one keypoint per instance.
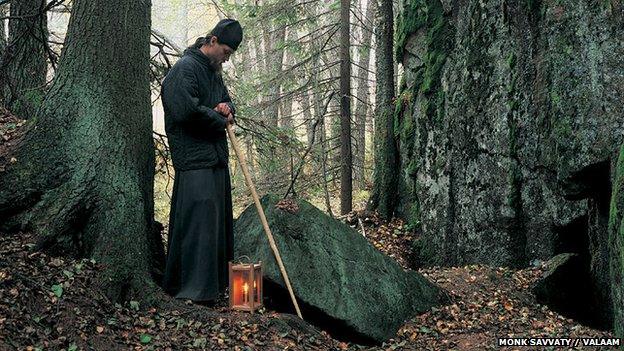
x,y
240,287
257,285
245,288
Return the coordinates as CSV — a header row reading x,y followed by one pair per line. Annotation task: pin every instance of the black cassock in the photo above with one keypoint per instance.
x,y
200,234
200,222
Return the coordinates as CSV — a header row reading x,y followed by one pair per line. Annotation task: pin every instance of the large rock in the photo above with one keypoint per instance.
x,y
343,284
510,120
616,243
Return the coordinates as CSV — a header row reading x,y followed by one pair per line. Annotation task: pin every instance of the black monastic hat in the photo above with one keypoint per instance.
x,y
228,32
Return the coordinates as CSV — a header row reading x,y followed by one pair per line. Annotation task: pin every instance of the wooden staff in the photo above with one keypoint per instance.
x,y
265,224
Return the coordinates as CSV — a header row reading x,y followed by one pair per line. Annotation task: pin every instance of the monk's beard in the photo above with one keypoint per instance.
x,y
215,64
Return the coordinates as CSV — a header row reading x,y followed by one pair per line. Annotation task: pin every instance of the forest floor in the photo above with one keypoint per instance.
x,y
50,302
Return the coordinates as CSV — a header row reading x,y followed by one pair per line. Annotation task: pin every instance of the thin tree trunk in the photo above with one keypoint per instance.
x,y
183,25
386,153
267,155
83,180
273,65
346,164
3,38
324,169
246,61
286,118
24,66
307,116
361,103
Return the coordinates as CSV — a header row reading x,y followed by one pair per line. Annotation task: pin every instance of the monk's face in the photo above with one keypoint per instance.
x,y
220,53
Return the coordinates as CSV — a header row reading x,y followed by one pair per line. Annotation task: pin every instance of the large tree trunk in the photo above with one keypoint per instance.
x,y
23,66
361,103
84,174
386,153
346,163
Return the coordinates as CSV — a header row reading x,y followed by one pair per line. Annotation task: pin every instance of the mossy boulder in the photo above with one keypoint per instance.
x,y
343,284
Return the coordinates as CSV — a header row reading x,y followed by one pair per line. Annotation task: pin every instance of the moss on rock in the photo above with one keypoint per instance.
x,y
616,240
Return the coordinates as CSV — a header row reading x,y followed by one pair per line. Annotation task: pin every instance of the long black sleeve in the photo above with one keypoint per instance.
x,y
180,98
226,97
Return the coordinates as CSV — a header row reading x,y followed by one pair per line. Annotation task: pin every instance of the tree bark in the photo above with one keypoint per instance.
x,y
346,164
24,66
83,180
386,150
3,38
361,103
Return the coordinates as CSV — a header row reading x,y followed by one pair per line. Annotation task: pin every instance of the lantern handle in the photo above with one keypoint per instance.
x,y
240,259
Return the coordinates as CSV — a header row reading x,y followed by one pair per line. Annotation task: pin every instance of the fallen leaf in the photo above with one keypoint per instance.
x,y
145,338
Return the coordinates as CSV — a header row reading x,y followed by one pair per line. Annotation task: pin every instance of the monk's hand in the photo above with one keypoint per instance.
x,y
230,119
223,108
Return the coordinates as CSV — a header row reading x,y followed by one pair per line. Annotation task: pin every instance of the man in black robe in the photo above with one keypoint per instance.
x,y
197,109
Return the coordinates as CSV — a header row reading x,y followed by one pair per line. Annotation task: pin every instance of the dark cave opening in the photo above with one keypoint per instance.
x,y
580,290
573,237
277,298
590,182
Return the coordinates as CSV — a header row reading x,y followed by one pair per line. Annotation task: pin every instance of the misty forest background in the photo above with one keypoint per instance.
x,y
486,135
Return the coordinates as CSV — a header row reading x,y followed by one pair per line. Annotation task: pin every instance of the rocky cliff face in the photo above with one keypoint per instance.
x,y
616,241
509,118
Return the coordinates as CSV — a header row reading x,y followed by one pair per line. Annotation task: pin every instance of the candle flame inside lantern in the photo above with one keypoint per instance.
x,y
245,293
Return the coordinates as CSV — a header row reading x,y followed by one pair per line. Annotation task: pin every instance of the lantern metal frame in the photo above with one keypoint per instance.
x,y
236,282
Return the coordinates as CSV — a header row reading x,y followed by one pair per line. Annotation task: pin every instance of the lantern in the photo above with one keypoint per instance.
x,y
245,286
